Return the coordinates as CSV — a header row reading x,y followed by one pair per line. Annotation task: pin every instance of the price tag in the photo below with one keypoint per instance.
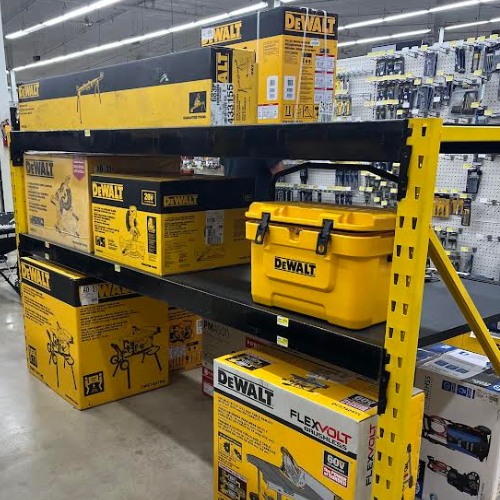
x,y
447,252
471,39
464,249
47,244
409,75
362,188
282,321
478,72
467,166
438,228
454,43
390,51
494,36
475,105
450,230
376,199
418,81
454,191
89,295
481,39
371,54
87,133
488,112
463,196
400,112
424,48
384,203
396,164
118,268
429,80
282,341
440,73
383,183
394,191
369,189
444,191
449,78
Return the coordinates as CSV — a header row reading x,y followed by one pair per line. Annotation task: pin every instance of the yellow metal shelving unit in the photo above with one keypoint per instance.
x,y
395,466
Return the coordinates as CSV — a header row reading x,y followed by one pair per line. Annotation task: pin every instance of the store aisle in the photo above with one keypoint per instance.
x,y
157,445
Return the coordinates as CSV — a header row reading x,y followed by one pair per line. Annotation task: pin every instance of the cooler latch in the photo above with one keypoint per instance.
x,y
324,237
262,229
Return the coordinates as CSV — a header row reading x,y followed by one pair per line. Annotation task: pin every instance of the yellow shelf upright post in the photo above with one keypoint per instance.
x,y
18,195
396,458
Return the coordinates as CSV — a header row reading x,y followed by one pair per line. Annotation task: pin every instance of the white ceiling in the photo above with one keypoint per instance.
x,y
136,17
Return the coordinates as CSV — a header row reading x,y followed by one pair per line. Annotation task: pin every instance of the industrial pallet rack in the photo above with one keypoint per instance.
x,y
418,314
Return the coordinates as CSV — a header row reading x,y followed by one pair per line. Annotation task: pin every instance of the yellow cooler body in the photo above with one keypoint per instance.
x,y
330,262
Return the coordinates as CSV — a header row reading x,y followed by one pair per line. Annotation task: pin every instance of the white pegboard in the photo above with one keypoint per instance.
x,y
483,234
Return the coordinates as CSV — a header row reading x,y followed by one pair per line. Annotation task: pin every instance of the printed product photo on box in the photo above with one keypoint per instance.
x,y
186,334
90,341
460,450
296,50
58,195
169,225
202,87
219,340
287,428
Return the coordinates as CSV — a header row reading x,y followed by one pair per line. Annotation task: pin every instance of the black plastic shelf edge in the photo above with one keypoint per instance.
x,y
364,141
350,353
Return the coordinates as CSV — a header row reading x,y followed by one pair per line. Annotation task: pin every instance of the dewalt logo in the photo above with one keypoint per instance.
x,y
223,68
314,24
35,275
221,34
107,191
180,200
29,90
295,267
40,168
108,291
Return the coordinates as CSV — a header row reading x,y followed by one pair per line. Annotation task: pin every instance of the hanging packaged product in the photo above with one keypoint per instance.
x,y
186,333
171,225
90,341
296,50
210,86
58,192
329,262
289,428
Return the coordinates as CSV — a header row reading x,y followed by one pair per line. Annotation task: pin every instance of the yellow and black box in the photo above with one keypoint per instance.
x,y
330,262
58,192
210,86
292,429
296,50
186,334
169,225
90,341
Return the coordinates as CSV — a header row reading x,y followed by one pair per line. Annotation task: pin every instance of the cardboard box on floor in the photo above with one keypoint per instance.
x,y
202,87
186,334
219,340
58,192
460,449
90,341
288,428
296,50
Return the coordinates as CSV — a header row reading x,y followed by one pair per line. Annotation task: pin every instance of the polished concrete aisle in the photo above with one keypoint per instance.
x,y
153,446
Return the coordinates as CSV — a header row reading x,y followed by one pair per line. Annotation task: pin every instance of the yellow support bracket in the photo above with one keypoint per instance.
x,y
463,300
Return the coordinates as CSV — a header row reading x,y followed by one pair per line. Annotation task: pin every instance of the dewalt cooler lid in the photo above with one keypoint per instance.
x,y
344,218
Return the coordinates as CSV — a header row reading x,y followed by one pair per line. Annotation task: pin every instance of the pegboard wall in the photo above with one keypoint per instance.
x,y
457,81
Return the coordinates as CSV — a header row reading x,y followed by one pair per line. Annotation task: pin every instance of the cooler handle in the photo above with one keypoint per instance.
x,y
324,237
263,228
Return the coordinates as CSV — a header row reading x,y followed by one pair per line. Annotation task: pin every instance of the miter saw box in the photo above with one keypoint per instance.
x,y
290,429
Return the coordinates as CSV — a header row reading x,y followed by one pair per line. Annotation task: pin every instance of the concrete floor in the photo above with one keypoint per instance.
x,y
152,446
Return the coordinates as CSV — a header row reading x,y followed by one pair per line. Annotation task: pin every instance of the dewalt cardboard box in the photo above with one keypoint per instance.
x,y
186,334
171,225
288,428
211,86
58,192
296,51
90,341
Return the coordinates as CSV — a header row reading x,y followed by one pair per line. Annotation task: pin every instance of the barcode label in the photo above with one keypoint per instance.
x,y
222,97
272,88
214,227
289,88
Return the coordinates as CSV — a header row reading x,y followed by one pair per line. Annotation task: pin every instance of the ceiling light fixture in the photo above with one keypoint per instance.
x,y
466,25
60,19
143,38
415,13
405,34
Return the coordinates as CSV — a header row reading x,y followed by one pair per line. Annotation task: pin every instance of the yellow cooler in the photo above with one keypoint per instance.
x,y
327,261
